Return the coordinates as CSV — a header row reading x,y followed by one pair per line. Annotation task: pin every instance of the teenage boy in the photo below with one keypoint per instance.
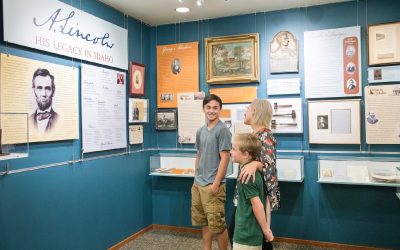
x,y
250,222
213,143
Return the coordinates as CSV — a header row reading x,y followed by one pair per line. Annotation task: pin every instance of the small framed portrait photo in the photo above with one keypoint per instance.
x,y
136,79
166,119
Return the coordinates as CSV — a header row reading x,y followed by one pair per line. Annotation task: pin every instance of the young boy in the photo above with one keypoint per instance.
x,y
250,222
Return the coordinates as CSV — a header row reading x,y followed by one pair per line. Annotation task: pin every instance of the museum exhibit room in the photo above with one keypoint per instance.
x,y
200,124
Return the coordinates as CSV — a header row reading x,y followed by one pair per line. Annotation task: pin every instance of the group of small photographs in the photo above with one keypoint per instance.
x,y
166,120
167,97
199,95
322,122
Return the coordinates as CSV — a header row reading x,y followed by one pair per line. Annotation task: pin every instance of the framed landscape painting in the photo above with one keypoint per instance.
x,y
232,59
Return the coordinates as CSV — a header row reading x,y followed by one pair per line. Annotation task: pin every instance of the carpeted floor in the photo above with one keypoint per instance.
x,y
170,240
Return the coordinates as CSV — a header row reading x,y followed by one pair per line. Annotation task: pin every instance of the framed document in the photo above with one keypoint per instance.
x,y
166,120
334,122
138,110
136,79
384,44
232,59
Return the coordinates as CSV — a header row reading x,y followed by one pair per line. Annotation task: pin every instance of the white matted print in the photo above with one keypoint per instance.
x,y
334,122
138,110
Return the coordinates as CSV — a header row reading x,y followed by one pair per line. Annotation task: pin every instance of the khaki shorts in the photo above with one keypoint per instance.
x,y
208,209
237,246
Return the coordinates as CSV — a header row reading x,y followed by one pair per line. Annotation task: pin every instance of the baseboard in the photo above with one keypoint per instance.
x,y
277,239
179,229
131,238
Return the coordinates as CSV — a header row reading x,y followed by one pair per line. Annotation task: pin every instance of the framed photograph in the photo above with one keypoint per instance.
x,y
136,79
166,120
138,110
232,59
334,122
383,44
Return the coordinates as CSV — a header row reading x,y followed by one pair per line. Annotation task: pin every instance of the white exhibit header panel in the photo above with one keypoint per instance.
x,y
56,27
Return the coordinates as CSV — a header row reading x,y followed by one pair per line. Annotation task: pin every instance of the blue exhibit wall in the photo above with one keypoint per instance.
x,y
345,214
88,205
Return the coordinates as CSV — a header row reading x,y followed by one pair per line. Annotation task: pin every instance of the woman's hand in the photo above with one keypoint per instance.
x,y
248,171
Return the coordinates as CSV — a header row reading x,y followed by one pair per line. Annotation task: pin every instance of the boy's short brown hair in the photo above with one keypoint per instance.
x,y
250,143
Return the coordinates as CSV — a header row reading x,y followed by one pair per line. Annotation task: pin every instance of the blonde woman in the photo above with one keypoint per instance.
x,y
258,115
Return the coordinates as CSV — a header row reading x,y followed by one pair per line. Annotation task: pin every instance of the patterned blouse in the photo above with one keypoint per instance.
x,y
270,174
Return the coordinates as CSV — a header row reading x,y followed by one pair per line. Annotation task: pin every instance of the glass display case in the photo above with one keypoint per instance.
x,y
14,136
398,181
290,168
176,165
358,171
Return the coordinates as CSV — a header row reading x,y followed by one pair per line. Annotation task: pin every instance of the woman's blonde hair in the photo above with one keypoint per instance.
x,y
262,112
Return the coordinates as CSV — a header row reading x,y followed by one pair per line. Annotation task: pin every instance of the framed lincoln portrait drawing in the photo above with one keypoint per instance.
x,y
232,59
136,79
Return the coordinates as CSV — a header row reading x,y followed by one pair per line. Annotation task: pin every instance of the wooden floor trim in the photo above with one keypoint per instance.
x,y
277,239
131,238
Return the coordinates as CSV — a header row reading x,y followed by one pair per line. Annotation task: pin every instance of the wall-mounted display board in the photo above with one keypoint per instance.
x,y
135,134
383,44
47,92
332,61
138,110
290,169
177,72
59,28
236,95
334,122
283,86
382,114
190,116
358,171
287,116
232,59
384,74
103,99
176,165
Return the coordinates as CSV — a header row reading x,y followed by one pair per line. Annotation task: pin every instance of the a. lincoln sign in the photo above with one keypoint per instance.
x,y
56,27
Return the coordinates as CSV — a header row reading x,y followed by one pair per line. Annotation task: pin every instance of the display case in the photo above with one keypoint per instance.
x,y
14,136
176,165
398,181
358,171
290,168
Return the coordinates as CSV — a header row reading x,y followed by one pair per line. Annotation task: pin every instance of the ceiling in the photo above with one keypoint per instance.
x,y
159,12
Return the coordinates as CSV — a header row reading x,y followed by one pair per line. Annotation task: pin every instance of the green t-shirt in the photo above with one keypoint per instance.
x,y
247,230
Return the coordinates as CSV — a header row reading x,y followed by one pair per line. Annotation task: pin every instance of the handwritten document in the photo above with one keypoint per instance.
x,y
341,121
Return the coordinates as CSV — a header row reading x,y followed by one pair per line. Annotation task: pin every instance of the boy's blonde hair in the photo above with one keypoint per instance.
x,y
262,112
250,143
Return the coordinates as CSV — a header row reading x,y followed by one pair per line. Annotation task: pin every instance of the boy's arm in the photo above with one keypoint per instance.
x,y
223,165
197,161
258,210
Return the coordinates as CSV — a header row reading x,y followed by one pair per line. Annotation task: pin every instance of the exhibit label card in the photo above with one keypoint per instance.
x,y
190,115
384,74
47,92
56,27
332,61
382,116
103,109
135,134
283,86
235,95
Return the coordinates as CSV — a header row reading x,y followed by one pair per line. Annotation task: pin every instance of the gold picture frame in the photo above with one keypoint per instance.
x,y
232,59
